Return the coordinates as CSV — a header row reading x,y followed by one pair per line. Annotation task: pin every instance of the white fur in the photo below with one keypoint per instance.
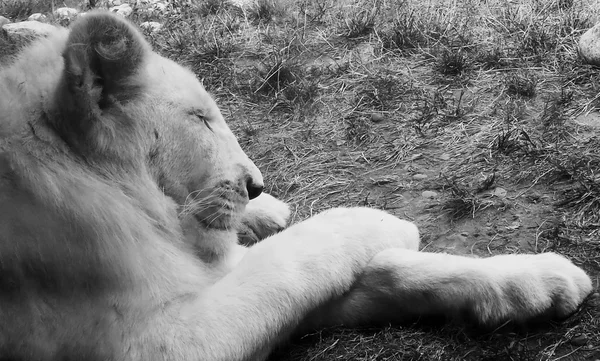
x,y
349,265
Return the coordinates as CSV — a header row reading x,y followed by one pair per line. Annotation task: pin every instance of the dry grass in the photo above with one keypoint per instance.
x,y
21,9
344,103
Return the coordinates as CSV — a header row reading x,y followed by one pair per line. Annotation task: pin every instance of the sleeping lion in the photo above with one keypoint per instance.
x,y
122,190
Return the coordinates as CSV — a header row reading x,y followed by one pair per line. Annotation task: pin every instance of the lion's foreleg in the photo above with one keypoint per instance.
x,y
280,280
398,285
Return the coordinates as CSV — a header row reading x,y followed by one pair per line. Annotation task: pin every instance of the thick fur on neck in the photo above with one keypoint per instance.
x,y
211,245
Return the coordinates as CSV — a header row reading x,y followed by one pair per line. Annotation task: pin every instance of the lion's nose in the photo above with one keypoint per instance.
x,y
254,189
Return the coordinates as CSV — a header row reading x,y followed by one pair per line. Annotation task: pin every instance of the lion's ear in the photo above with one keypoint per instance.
x,y
103,54
103,57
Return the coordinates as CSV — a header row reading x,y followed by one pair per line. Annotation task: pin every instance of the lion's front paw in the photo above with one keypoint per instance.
x,y
532,286
264,216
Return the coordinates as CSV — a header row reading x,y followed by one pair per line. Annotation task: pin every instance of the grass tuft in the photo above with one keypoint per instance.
x,y
522,83
465,203
554,115
21,9
452,62
564,4
314,11
405,33
494,58
265,11
360,24
277,77
212,7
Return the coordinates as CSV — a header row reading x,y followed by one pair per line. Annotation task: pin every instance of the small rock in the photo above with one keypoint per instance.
x,y
445,156
377,117
500,192
17,32
242,3
416,156
159,7
419,176
37,17
457,239
151,26
594,299
4,21
589,46
514,226
152,6
579,340
429,194
114,2
382,181
123,9
65,13
589,119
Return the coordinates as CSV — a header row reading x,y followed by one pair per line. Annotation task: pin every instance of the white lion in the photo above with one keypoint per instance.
x,y
121,190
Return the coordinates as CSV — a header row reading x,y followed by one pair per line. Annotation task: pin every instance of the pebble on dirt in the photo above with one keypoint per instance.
x,y
151,26
65,13
429,194
376,117
123,9
37,17
4,21
579,340
589,46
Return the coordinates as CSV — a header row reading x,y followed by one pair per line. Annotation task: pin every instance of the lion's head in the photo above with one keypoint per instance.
x,y
117,94
95,130
118,102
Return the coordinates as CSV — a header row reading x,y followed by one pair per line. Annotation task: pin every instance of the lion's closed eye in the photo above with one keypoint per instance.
x,y
200,116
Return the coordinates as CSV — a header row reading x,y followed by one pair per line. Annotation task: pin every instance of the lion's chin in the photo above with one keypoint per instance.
x,y
221,220
222,212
